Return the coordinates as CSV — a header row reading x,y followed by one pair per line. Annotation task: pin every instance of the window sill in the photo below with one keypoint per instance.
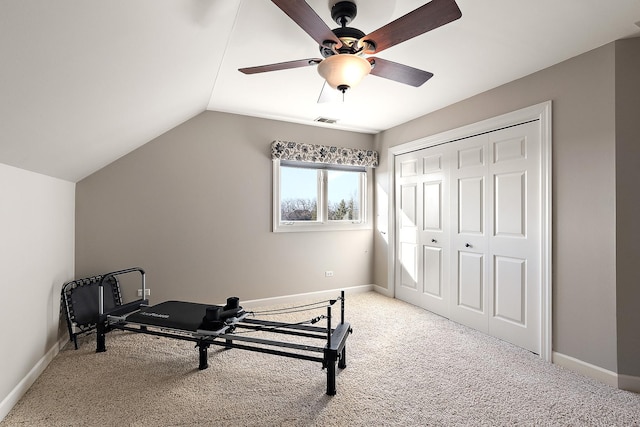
x,y
297,227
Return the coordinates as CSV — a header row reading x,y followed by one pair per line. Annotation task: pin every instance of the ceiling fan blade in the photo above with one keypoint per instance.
x,y
432,15
281,66
303,15
329,94
399,72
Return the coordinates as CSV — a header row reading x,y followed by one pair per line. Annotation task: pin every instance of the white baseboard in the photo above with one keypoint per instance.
x,y
289,299
384,291
629,383
586,369
19,390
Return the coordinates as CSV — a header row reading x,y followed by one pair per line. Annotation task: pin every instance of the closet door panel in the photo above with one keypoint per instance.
x,y
514,242
469,269
422,200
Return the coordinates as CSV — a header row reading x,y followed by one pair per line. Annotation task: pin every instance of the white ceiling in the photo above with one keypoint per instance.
x,y
83,82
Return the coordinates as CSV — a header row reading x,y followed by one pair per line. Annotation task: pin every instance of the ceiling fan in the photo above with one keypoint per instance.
x,y
343,49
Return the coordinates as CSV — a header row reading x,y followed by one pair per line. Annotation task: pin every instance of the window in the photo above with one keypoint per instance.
x,y
314,197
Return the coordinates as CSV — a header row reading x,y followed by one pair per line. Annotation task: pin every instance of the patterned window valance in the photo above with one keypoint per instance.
x,y
301,152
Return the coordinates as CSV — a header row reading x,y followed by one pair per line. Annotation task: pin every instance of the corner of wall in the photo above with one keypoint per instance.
x,y
627,209
586,369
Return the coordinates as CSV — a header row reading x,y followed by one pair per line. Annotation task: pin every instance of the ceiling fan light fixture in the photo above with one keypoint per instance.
x,y
344,71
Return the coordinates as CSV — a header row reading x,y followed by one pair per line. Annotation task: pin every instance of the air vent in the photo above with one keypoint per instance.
x,y
326,120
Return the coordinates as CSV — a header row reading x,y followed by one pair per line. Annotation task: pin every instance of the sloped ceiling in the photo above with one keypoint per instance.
x,y
83,82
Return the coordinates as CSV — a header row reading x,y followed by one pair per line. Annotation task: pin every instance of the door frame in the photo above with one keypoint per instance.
x,y
540,112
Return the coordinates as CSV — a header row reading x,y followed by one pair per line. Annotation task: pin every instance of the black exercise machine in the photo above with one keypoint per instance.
x,y
228,326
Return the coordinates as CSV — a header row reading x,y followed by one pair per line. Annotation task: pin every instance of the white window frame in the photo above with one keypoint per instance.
x,y
322,223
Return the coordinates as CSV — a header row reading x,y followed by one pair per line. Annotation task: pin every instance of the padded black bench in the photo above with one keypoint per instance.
x,y
80,303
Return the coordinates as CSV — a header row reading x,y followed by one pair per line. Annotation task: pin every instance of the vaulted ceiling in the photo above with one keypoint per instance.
x,y
83,82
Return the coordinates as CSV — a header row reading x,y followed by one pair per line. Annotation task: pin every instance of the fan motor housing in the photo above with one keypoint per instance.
x,y
348,36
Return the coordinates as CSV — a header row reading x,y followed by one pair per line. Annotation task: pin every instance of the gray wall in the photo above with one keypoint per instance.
x,y
193,208
584,216
628,204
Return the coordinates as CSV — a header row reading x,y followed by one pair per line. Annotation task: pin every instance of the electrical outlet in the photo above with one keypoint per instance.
x,y
328,273
147,292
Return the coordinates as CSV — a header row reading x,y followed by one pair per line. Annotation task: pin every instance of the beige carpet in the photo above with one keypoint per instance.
x,y
406,367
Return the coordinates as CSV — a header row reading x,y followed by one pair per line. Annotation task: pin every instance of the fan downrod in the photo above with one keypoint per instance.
x,y
343,12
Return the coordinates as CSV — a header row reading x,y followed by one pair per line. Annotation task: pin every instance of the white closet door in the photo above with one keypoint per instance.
x,y
468,227
422,188
469,241
406,226
434,235
515,238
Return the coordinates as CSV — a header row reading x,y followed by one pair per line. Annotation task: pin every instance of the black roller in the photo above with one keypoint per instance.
x,y
232,303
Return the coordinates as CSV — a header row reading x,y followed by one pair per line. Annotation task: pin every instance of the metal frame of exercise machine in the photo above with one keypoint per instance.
x,y
230,331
